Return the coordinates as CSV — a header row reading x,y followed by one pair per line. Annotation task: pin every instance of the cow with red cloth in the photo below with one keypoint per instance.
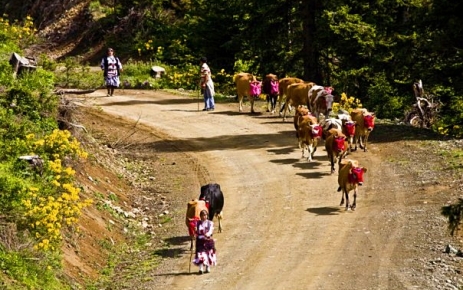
x,y
350,178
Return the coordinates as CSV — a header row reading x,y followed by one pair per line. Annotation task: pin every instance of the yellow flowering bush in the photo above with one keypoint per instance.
x,y
58,144
23,31
347,103
56,204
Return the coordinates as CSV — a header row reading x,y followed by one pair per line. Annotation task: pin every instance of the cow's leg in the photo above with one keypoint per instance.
x,y
361,142
285,108
332,160
347,199
356,139
365,143
252,104
354,204
310,152
240,100
304,148
342,196
282,106
341,155
315,145
351,140
191,242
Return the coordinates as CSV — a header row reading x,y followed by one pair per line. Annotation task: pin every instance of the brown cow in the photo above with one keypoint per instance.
x,y
302,113
194,207
320,100
242,81
309,134
364,122
336,147
349,178
297,94
270,87
283,89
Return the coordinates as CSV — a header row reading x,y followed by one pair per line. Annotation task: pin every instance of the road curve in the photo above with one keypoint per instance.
x,y
283,226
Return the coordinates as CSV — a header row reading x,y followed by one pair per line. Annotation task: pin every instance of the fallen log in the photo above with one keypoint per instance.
x,y
73,91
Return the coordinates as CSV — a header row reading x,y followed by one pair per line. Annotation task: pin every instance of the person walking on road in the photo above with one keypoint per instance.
x,y
207,85
205,245
112,68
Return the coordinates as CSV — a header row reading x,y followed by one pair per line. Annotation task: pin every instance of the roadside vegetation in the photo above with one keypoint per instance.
x,y
41,204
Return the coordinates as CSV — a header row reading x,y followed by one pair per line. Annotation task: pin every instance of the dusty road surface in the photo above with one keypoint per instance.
x,y
283,226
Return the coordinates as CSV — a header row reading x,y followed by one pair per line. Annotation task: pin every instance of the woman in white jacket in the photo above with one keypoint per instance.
x,y
207,85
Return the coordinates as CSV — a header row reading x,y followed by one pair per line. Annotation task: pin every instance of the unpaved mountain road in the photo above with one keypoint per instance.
x,y
283,226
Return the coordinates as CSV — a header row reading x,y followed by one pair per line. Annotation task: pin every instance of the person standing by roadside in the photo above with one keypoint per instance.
x,y
207,85
112,68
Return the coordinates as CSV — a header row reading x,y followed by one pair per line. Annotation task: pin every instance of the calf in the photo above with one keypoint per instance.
x,y
309,134
364,122
302,113
213,196
336,147
349,178
194,207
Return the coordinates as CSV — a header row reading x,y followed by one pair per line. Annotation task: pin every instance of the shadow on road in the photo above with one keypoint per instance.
x,y
326,210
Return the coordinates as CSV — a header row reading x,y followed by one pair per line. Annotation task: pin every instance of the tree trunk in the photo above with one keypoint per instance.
x,y
310,50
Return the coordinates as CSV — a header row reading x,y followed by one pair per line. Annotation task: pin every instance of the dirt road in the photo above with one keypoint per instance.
x,y
283,226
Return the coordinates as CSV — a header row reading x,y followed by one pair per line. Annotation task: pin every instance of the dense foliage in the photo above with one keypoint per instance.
x,y
373,51
39,201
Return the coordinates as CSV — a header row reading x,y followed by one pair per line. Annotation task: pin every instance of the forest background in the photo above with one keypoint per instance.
x,y
372,50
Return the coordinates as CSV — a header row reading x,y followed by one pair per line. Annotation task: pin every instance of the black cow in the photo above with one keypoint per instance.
x,y
213,195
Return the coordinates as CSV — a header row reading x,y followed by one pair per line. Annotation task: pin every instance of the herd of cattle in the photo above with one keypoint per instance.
x,y
313,122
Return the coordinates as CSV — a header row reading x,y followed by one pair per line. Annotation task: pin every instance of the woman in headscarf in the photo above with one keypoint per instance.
x,y
112,68
207,85
205,246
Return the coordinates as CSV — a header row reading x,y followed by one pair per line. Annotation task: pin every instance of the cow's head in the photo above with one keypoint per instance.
x,y
356,175
338,143
350,128
316,130
329,102
369,121
301,110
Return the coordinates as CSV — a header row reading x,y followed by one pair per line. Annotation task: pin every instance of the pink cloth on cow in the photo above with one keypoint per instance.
x,y
255,88
275,87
